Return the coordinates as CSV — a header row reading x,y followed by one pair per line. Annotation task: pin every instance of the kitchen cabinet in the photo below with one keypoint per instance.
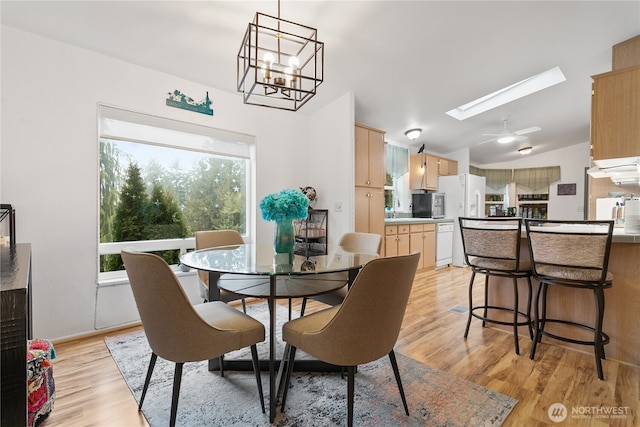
x,y
369,157
615,114
626,54
423,172
396,240
447,167
422,238
369,180
369,210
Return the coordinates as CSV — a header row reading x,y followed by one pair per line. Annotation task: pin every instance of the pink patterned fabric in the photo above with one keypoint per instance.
x,y
40,383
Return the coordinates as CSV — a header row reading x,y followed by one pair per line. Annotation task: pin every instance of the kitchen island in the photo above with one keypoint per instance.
x,y
622,302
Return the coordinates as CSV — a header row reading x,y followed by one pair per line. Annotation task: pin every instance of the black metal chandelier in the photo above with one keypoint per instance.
x,y
280,63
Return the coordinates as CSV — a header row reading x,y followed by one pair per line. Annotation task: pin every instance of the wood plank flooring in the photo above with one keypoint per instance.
x,y
91,391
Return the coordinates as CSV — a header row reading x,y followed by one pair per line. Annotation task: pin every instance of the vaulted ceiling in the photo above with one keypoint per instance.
x,y
407,62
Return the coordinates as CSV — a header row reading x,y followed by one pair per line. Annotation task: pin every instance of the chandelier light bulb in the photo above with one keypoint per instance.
x,y
294,62
269,58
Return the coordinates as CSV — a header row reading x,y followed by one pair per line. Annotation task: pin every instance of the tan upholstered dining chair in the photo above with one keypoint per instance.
x,y
357,242
363,328
210,239
181,332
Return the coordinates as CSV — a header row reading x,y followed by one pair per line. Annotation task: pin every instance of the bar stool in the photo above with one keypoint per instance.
x,y
492,247
574,254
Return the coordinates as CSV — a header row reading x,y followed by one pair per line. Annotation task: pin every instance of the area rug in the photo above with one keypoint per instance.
x,y
435,398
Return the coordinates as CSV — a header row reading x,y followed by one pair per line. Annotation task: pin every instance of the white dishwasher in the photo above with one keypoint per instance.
x,y
444,243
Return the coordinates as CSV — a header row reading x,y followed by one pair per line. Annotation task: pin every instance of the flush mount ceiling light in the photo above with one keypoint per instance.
x,y
510,93
413,134
280,63
525,150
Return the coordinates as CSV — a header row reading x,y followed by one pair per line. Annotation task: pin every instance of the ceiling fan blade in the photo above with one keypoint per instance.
x,y
520,138
528,130
492,134
484,142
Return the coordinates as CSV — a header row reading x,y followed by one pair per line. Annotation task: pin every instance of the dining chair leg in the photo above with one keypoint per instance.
x,y
515,315
486,299
287,378
177,378
396,373
530,295
597,341
473,276
152,364
351,370
536,327
221,363
244,306
256,370
304,305
543,317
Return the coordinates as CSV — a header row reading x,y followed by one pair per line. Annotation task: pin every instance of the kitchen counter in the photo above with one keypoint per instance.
x,y
619,236
410,220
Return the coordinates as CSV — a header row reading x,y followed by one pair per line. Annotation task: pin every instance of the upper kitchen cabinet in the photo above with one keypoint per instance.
x,y
626,54
423,172
369,157
615,114
447,167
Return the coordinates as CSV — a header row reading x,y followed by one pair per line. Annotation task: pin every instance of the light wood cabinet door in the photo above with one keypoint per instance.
x,y
423,172
615,114
429,254
369,157
396,240
369,210
423,240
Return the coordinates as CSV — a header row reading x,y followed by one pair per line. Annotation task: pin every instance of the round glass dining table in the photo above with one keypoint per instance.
x,y
254,270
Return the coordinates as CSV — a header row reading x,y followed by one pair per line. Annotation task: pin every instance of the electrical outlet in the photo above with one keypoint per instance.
x,y
337,206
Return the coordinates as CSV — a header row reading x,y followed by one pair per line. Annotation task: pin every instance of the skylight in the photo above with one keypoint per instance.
x,y
510,93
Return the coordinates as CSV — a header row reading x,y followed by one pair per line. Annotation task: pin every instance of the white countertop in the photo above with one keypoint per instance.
x,y
410,220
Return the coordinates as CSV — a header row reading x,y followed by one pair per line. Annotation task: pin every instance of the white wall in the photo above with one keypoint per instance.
x,y
49,159
330,162
572,161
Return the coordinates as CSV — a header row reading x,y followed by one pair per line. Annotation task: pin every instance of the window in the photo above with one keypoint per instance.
x,y
397,165
161,180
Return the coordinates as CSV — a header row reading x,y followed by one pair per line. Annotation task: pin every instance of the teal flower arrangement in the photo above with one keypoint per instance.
x,y
286,205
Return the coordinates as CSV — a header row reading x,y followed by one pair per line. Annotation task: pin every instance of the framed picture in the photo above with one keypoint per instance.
x,y
566,189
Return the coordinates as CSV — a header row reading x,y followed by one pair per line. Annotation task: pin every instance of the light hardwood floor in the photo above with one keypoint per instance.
x,y
91,391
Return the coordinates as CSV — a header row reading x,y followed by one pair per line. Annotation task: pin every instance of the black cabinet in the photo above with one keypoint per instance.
x,y
15,286
311,233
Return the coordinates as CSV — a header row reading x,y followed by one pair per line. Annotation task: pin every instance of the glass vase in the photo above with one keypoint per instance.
x,y
284,240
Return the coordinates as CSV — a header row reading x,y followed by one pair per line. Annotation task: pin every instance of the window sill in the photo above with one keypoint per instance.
x,y
117,278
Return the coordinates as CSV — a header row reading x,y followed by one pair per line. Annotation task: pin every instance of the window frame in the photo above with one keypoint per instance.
x,y
228,139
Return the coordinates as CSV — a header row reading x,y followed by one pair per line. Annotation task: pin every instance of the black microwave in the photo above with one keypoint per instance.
x,y
427,205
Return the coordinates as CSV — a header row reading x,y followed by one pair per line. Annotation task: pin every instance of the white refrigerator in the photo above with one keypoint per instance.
x,y
464,196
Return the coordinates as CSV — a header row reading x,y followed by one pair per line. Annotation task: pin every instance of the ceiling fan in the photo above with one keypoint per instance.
x,y
506,136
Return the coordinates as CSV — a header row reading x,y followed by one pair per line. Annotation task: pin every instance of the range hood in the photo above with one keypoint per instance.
x,y
621,171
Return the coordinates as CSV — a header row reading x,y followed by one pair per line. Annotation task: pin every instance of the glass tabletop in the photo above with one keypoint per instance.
x,y
252,258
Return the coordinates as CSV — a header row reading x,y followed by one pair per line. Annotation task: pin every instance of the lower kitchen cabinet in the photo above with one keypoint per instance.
x,y
422,238
396,240
403,239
